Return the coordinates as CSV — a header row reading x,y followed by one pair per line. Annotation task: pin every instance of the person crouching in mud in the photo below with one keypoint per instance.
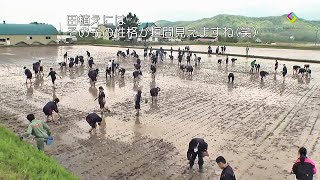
x,y
92,120
263,74
137,101
102,100
50,107
197,147
39,129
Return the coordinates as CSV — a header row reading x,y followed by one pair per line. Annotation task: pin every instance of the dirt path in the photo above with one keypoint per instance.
x,y
258,126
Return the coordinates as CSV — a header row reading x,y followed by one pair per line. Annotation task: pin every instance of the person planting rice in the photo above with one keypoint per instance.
x,y
28,73
154,93
197,148
136,75
284,72
153,71
93,74
263,74
231,77
102,100
93,119
137,101
276,66
50,107
90,62
253,64
53,74
39,129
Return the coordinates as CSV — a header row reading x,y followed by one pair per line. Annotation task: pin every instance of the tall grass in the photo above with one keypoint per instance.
x,y
19,160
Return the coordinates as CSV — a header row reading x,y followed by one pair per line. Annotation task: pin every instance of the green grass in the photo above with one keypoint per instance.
x,y
19,160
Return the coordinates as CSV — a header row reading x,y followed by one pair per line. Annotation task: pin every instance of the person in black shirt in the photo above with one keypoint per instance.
x,y
53,74
284,72
35,67
92,120
102,100
137,101
113,67
276,66
93,74
153,71
50,107
231,77
197,147
227,171
28,73
188,59
88,54
179,59
90,62
136,75
154,93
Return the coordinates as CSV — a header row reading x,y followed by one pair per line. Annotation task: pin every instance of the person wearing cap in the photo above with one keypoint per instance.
x,y
197,147
137,101
50,107
39,129
102,99
227,171
28,73
92,119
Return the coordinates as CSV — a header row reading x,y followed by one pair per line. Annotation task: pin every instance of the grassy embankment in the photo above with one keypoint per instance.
x,y
19,160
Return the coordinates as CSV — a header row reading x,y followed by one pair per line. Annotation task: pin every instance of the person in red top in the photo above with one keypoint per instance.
x,y
304,168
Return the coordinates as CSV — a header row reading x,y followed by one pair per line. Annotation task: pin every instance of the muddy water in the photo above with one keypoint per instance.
x,y
258,126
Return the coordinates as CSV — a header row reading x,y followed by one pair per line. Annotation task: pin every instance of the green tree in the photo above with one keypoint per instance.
x,y
129,21
145,33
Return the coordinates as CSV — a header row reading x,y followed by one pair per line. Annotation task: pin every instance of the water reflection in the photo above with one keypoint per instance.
x,y
54,96
152,84
121,82
29,90
262,83
93,91
230,86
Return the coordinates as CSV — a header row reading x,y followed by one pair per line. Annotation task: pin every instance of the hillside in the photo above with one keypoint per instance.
x,y
19,160
273,28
